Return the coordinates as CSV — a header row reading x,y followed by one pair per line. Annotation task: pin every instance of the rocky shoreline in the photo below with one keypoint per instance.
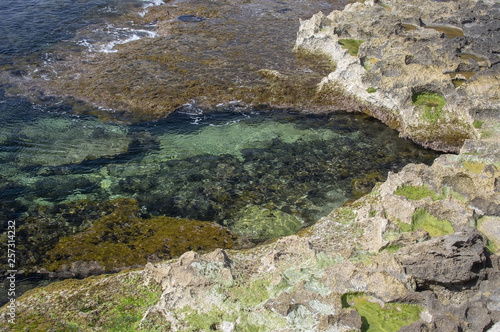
x,y
418,253
429,69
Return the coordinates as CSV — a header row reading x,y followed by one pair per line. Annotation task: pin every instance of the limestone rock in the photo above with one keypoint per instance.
x,y
187,280
286,250
478,317
490,227
347,320
401,57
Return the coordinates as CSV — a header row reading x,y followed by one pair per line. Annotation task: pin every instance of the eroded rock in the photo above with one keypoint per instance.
x,y
454,261
405,64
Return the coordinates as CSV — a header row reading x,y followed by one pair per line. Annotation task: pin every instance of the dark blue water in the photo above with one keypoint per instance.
x,y
33,26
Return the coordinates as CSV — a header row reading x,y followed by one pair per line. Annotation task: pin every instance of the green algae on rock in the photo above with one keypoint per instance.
x,y
414,192
124,239
432,104
352,45
389,317
110,303
421,219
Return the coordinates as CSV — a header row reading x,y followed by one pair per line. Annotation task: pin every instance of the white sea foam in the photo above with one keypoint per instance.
x,y
118,36
86,44
150,3
190,109
105,109
197,120
108,9
228,123
124,36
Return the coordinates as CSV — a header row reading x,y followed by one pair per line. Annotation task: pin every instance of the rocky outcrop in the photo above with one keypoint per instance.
x,y
409,251
418,253
429,69
453,261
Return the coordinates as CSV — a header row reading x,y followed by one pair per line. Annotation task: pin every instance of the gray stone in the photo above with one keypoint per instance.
x,y
486,206
407,51
417,327
490,226
347,320
350,318
478,317
453,260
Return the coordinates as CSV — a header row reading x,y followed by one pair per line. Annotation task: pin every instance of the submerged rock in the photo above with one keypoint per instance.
x,y
190,18
54,141
123,239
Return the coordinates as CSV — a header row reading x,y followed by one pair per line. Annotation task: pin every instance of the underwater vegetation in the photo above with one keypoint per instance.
x,y
261,173
123,239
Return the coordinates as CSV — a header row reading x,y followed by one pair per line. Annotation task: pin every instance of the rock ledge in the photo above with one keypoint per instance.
x,y
429,69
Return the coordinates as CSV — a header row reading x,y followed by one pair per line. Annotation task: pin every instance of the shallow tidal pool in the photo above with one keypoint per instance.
x,y
262,173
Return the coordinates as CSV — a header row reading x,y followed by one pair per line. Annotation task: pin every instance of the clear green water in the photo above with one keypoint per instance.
x,y
262,173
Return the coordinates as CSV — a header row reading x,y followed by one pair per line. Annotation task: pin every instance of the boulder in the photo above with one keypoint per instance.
x,y
454,261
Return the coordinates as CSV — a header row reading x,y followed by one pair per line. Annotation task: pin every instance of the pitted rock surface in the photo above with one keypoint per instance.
x,y
414,49
453,260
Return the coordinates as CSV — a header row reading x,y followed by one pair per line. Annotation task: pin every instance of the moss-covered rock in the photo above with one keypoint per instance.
x,y
390,317
422,219
352,45
415,192
431,103
429,88
103,303
123,239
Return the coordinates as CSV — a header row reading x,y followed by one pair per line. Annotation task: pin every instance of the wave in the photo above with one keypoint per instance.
x,y
148,4
118,36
